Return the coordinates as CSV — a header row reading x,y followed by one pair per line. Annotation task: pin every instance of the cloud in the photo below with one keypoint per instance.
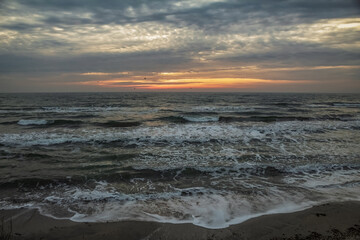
x,y
145,61
149,37
207,14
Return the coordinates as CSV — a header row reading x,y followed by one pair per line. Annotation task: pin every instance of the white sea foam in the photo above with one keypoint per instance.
x,y
105,110
351,105
175,134
318,106
203,206
224,108
80,109
211,209
201,118
27,122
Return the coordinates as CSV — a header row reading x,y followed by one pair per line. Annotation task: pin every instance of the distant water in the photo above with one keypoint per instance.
x,y
204,158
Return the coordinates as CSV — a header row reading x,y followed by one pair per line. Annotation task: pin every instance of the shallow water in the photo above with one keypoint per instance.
x,y
205,158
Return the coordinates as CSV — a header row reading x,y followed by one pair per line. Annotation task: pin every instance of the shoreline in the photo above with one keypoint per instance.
x,y
337,220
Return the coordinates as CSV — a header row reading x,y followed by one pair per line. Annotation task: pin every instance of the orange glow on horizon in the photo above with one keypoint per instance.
x,y
184,83
207,78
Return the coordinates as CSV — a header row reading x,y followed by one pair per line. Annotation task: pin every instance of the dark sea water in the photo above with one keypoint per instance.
x,y
212,159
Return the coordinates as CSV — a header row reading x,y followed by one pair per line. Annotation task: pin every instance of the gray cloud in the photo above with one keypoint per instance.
x,y
213,16
297,56
150,61
68,36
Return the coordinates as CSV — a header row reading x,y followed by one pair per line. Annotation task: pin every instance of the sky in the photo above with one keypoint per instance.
x,y
180,45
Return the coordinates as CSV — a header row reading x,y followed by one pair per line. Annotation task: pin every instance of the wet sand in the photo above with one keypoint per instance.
x,y
327,221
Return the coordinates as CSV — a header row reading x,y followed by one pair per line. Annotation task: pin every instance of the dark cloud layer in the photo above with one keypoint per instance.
x,y
150,61
213,16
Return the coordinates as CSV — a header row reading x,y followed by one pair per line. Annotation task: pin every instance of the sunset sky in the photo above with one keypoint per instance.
x,y
180,45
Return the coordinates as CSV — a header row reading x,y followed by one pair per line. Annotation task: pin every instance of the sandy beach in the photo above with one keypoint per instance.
x,y
328,221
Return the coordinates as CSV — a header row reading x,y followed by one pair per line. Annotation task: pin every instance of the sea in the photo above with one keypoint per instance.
x,y
211,159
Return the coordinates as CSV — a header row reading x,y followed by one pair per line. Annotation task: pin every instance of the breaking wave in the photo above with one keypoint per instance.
x,y
176,134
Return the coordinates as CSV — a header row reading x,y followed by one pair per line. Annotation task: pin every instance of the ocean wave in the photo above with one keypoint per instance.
x,y
318,105
243,170
115,174
97,110
174,134
349,105
99,201
117,124
255,118
81,109
265,119
33,122
40,122
225,109
201,118
190,118
201,206
71,123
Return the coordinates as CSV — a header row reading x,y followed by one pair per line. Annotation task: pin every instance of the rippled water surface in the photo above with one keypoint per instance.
x,y
209,159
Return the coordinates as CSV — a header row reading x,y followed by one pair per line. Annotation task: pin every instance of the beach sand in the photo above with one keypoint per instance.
x,y
327,221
